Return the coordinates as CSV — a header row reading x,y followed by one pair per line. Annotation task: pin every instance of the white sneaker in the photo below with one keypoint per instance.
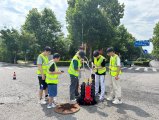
x,y
117,101
109,98
73,101
101,99
42,102
51,106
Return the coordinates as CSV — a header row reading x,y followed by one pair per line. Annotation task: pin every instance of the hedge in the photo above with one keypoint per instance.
x,y
63,63
142,63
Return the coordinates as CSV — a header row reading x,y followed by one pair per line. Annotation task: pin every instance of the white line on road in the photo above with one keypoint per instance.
x,y
130,68
138,68
154,69
123,68
8,68
145,69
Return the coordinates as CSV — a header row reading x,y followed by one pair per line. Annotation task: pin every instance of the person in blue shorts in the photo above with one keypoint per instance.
x,y
52,79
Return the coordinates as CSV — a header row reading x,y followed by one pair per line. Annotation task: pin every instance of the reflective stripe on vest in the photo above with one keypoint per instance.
x,y
51,78
98,63
113,66
71,69
44,64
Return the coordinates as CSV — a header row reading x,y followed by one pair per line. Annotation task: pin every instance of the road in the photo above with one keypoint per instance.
x,y
19,101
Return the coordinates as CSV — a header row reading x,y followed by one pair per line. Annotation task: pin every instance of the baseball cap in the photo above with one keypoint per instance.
x,y
81,54
111,49
96,53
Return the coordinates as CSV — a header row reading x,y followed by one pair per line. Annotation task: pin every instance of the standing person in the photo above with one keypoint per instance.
x,y
115,71
52,79
100,72
74,70
42,62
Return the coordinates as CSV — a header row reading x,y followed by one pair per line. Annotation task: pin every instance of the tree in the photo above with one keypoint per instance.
x,y
45,27
10,41
124,44
91,24
155,41
28,45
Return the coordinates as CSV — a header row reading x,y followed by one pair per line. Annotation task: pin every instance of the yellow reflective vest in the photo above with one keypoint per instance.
x,y
98,63
51,78
44,64
71,69
113,66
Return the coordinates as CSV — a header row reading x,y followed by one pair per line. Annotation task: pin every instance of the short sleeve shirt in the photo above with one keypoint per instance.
x,y
52,68
40,60
118,61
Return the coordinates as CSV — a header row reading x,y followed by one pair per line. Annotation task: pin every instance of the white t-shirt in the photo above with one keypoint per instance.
x,y
118,61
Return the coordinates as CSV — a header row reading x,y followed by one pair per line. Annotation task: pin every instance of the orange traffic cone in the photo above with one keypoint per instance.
x,y
14,76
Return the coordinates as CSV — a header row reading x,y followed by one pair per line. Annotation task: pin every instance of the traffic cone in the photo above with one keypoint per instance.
x,y
14,76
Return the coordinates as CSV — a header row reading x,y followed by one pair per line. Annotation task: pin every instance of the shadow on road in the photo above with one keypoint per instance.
x,y
51,113
96,109
124,107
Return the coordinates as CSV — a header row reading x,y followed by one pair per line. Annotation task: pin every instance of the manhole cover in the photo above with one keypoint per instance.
x,y
67,108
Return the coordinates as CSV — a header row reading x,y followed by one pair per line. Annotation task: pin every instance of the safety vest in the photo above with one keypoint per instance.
x,y
71,69
51,78
113,66
44,64
98,63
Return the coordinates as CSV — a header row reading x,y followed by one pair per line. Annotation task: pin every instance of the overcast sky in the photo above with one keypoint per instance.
x,y
140,15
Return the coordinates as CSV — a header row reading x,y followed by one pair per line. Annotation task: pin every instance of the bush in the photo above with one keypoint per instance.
x,y
142,63
63,63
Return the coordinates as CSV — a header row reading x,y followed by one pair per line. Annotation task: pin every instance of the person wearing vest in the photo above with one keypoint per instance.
x,y
42,62
115,71
100,72
74,71
52,79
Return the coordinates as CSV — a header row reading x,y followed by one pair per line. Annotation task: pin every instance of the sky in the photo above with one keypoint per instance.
x,y
140,16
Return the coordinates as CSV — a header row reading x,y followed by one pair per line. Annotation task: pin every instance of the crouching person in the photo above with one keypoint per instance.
x,y
52,79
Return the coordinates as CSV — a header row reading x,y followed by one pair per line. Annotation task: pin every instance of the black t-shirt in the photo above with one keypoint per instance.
x,y
52,68
103,64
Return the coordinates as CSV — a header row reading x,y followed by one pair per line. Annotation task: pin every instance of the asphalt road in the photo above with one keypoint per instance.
x,y
19,101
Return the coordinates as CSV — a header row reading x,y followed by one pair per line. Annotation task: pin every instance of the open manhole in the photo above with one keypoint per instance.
x,y
67,108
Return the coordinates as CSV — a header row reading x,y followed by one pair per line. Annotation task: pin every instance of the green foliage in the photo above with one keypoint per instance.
x,y
40,29
45,27
142,62
155,41
124,44
96,23
92,25
63,63
10,43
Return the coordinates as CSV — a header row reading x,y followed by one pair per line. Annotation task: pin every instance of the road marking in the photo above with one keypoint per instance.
x,y
130,68
8,68
154,69
20,68
145,69
138,68
123,68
